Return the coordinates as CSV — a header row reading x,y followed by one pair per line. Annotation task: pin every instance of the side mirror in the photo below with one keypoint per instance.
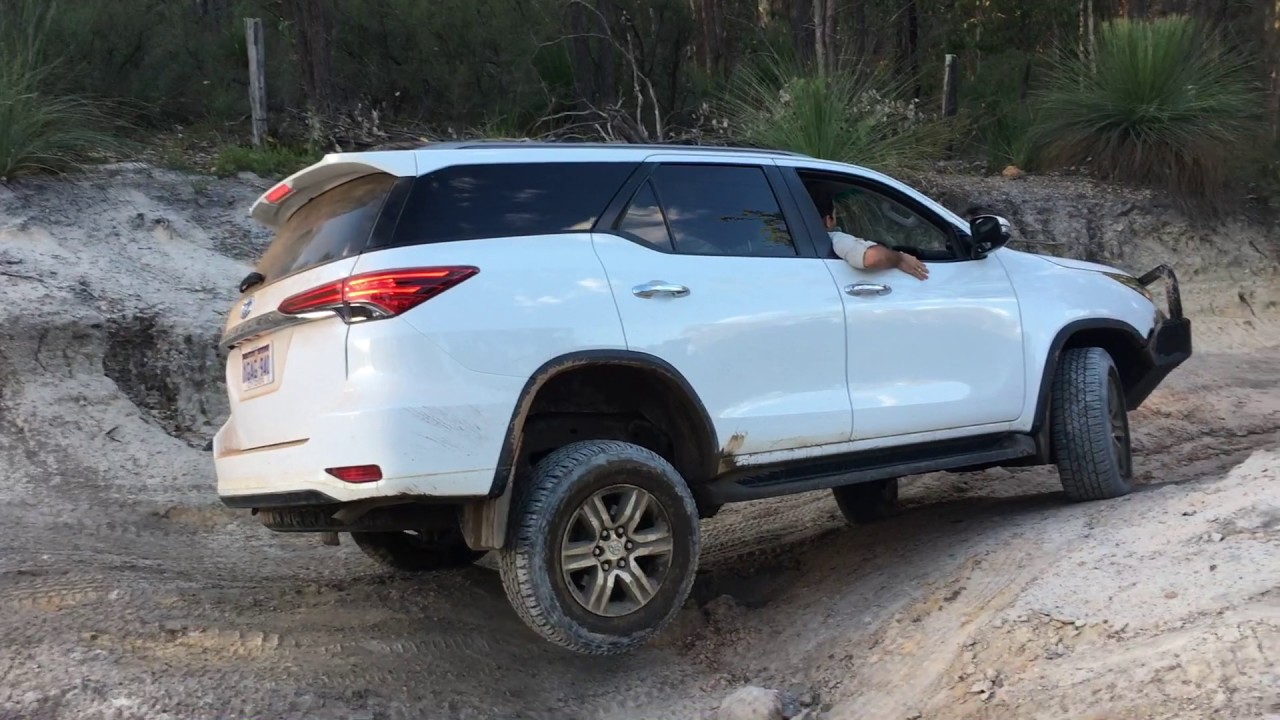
x,y
989,232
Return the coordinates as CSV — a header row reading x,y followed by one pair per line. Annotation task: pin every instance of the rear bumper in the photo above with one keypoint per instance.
x,y
433,427
293,474
1169,344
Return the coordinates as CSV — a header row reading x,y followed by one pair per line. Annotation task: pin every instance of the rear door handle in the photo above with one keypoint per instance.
x,y
867,289
659,287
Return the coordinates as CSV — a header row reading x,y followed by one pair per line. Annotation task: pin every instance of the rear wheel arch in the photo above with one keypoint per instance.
x,y
609,384
608,391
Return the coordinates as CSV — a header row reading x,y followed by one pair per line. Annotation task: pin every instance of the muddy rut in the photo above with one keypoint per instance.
x,y
127,591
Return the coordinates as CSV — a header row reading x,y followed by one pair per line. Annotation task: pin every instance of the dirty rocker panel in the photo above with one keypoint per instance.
x,y
869,465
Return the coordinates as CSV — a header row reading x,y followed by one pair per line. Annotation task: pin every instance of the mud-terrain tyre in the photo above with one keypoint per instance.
x,y
417,552
1090,426
865,503
603,547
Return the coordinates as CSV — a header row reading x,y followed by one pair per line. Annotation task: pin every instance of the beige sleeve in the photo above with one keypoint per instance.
x,y
851,249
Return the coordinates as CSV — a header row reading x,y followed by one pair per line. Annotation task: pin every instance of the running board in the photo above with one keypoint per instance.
x,y
824,473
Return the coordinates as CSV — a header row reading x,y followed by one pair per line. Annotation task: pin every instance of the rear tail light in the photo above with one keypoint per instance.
x,y
356,473
377,295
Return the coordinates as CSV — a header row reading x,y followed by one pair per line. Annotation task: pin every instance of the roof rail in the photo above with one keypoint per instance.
x,y
531,144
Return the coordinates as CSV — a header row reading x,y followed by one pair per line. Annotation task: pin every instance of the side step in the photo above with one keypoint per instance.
x,y
824,473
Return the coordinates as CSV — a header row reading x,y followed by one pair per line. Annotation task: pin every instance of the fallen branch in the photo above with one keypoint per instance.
x,y
21,276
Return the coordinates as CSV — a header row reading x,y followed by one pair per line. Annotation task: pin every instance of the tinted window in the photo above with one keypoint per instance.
x,y
480,201
644,221
721,210
333,225
876,217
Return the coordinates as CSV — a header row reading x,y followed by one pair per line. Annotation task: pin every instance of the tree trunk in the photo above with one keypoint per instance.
x,y
1093,43
862,35
820,35
1272,12
802,29
712,35
584,76
314,24
829,33
606,89
1025,86
909,46
1080,38
215,13
720,54
1137,9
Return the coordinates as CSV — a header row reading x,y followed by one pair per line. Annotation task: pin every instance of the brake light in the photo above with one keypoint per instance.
x,y
356,473
278,193
377,295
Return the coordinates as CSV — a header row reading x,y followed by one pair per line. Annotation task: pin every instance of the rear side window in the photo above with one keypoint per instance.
x,y
467,202
723,210
333,225
644,221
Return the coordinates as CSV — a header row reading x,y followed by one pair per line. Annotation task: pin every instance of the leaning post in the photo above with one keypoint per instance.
x,y
257,78
949,78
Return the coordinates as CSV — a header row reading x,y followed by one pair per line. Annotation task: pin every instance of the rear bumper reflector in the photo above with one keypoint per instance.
x,y
356,473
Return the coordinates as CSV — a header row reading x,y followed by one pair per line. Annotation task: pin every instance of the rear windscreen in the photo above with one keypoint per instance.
x,y
468,202
333,225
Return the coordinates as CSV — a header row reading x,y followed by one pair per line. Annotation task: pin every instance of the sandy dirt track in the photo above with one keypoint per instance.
x,y
127,591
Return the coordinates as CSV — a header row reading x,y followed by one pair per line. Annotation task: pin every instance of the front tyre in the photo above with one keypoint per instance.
x,y
604,547
1090,426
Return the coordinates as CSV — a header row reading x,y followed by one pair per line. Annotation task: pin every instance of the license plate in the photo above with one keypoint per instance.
x,y
256,367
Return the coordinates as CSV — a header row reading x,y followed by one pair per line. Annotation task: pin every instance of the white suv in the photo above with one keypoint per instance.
x,y
571,353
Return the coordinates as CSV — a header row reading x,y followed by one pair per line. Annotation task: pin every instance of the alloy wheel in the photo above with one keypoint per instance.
x,y
616,550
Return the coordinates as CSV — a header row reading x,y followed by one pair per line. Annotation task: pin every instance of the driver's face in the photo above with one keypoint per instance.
x,y
831,220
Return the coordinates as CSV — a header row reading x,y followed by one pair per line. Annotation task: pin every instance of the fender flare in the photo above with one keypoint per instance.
x,y
1055,354
588,358
485,523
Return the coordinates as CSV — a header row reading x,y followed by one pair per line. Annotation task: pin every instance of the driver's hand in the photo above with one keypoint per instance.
x,y
912,266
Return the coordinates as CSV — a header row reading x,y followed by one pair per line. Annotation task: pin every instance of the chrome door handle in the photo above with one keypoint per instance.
x,y
867,289
659,287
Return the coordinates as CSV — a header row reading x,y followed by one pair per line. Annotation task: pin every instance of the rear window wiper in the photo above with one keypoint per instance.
x,y
251,280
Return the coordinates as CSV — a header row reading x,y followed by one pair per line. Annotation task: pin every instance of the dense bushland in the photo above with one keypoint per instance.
x,y
1146,91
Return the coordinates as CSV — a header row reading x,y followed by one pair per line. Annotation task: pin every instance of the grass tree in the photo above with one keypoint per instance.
x,y
41,130
1159,103
845,114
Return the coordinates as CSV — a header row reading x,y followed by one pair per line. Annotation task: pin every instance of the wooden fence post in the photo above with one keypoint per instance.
x,y
257,78
949,78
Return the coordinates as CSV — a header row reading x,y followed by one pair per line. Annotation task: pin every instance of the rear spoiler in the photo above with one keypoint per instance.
x,y
275,206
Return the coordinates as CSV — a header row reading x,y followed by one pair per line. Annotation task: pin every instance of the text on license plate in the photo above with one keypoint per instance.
x,y
256,365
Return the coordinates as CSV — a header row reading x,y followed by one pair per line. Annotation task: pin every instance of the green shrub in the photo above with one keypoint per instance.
x,y
1009,139
271,161
854,115
993,104
1160,104
42,131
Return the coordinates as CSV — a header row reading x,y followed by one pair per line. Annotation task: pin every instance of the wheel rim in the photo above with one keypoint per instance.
x,y
616,551
1119,427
